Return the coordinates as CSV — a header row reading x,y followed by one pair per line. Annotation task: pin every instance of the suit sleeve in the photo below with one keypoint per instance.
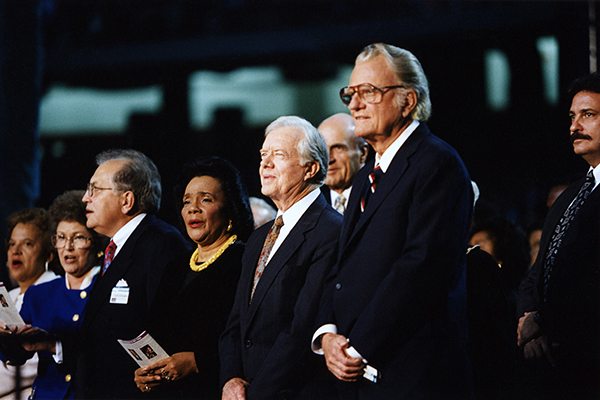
x,y
230,340
427,280
528,299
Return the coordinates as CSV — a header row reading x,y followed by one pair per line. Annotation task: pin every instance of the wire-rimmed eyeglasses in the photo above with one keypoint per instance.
x,y
79,241
91,189
369,93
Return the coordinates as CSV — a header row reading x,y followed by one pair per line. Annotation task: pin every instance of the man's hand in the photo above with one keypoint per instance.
x,y
527,329
36,339
538,348
235,389
341,365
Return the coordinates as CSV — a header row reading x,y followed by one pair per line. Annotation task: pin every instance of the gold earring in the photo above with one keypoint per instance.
x,y
229,226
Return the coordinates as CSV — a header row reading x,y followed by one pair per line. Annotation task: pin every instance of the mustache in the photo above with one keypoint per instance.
x,y
578,135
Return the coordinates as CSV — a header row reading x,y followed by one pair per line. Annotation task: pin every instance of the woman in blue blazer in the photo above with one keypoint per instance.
x,y
57,307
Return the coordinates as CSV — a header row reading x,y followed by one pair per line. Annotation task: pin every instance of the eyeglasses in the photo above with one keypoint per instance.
x,y
366,91
90,189
79,241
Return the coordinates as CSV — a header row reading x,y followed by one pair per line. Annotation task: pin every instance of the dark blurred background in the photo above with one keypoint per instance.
x,y
182,78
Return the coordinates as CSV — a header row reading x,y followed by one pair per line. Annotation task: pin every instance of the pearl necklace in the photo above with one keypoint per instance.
x,y
205,264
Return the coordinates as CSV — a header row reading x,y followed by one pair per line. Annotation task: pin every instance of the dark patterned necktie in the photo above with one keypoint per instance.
x,y
108,255
563,225
374,178
266,250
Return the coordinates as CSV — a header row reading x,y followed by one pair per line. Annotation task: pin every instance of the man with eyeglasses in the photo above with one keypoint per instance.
x,y
392,316
122,196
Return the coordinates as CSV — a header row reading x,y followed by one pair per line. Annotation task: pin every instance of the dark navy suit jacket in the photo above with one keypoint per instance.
x,y
104,369
398,291
267,342
569,316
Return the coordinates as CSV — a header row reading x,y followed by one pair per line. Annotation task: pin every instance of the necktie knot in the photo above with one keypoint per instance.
x,y
340,204
374,178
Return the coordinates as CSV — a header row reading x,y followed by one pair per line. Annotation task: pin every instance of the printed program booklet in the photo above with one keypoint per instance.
x,y
9,314
144,349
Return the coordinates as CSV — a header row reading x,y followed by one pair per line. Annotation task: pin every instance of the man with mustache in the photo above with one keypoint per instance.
x,y
558,301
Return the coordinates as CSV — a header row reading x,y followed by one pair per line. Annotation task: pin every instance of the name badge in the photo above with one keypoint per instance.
x,y
120,293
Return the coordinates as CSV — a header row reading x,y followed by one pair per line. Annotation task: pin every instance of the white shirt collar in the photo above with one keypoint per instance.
x,y
335,195
388,155
295,212
87,280
126,230
291,217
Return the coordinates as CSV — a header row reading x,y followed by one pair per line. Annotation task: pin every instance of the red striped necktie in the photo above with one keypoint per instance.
x,y
374,178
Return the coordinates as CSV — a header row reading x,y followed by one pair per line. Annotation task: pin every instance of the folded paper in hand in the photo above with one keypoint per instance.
x,y
144,349
9,315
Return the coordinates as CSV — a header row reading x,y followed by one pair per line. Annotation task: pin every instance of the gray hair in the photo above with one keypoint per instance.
x,y
312,148
408,69
139,175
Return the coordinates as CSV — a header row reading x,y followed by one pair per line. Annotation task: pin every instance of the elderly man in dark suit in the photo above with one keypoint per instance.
x,y
559,300
392,315
121,197
347,155
264,352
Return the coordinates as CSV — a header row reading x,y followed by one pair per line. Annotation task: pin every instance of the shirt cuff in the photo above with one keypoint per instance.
x,y
316,340
58,357
351,351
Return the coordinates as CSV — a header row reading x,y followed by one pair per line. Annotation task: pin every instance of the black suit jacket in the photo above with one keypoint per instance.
x,y
398,292
326,193
189,313
267,342
570,314
105,370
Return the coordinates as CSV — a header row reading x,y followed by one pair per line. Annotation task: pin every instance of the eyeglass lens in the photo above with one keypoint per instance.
x,y
79,241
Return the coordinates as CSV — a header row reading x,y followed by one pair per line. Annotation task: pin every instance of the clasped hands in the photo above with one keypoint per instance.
x,y
30,337
169,369
531,340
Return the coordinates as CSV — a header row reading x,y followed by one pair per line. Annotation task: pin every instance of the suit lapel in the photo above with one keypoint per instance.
x,y
586,215
388,182
556,213
295,238
121,263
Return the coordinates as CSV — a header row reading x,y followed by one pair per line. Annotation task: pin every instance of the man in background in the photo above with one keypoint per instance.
x,y
559,300
347,154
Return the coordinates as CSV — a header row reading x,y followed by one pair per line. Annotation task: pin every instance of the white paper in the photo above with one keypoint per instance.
x,y
144,349
9,315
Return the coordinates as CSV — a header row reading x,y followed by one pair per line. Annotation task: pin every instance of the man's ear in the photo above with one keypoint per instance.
x,y
127,202
364,151
410,102
311,170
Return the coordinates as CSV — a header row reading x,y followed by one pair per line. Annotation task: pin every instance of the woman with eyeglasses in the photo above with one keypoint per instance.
x,y
55,309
